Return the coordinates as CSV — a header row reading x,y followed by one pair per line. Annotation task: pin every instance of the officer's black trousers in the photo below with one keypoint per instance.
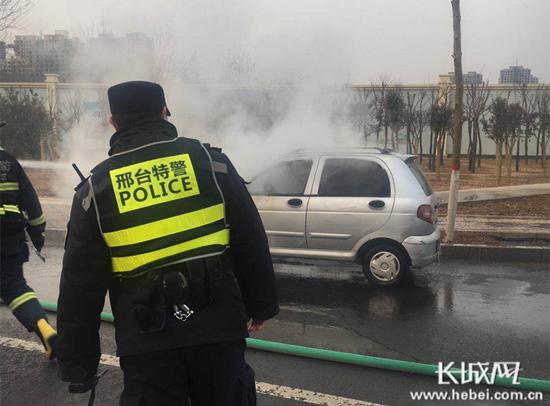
x,y
206,375
15,292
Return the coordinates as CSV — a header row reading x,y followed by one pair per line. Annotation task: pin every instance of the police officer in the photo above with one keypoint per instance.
x,y
166,225
19,211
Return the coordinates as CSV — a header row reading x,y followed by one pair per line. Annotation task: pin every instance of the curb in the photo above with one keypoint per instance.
x,y
490,253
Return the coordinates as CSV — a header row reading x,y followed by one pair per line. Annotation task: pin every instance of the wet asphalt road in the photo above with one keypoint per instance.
x,y
454,311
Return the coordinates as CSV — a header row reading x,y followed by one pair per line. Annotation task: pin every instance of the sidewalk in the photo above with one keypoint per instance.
x,y
494,193
534,227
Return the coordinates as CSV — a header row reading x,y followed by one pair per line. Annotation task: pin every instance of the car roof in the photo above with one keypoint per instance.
x,y
351,151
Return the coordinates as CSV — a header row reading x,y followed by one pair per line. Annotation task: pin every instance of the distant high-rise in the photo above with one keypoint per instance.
x,y
94,60
517,75
473,78
35,55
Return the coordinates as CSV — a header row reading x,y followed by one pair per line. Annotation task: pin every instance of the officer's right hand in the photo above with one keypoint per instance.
x,y
37,235
255,325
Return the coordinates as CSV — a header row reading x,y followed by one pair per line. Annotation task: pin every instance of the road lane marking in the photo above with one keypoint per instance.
x,y
55,201
280,391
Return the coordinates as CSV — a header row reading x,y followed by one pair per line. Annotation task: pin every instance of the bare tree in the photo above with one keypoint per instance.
x,y
529,105
379,110
495,128
476,105
102,112
11,12
434,101
514,119
441,124
395,114
73,106
360,111
543,126
419,121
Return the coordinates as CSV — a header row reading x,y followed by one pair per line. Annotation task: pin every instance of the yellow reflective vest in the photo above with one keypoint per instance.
x,y
159,204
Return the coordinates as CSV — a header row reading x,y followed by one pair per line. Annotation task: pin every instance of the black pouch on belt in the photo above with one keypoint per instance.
x,y
149,307
216,268
199,290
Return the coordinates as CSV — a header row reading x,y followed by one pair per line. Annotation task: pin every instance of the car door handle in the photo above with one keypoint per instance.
x,y
376,204
295,202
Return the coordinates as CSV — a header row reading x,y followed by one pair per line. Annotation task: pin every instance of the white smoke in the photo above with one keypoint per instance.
x,y
254,90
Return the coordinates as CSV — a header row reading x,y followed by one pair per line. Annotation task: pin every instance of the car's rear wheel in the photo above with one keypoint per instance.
x,y
385,265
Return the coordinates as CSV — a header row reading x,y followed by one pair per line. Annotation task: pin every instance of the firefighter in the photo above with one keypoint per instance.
x,y
19,211
167,227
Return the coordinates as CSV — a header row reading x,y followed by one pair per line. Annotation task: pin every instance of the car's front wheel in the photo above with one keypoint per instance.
x,y
385,265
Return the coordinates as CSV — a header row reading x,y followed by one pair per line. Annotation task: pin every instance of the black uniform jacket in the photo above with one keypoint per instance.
x,y
87,276
12,226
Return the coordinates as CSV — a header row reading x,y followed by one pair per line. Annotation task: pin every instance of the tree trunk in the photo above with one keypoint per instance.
x,y
543,145
509,153
420,147
538,145
499,162
408,136
480,151
544,163
474,153
470,147
517,155
42,149
438,153
431,152
526,145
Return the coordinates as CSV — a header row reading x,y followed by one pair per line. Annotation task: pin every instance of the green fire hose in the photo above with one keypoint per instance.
x,y
358,359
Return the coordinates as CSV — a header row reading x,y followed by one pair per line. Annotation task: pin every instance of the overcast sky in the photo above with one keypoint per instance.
x,y
334,40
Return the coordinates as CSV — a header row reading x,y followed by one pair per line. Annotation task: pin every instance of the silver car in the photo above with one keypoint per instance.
x,y
371,206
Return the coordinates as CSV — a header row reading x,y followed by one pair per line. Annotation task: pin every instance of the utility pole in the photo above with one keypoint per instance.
x,y
457,123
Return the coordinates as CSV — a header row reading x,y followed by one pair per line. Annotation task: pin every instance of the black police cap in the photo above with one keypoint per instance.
x,y
136,97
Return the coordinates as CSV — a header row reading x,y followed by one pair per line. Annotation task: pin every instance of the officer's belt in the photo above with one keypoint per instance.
x,y
197,283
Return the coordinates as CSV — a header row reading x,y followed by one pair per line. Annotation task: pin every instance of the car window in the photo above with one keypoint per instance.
x,y
419,175
354,178
286,179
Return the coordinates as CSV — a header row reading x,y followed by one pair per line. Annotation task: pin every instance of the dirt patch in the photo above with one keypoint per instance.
x,y
42,179
467,237
485,176
531,206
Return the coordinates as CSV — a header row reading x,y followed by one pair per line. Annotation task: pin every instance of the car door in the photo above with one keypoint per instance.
x,y
280,196
351,197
